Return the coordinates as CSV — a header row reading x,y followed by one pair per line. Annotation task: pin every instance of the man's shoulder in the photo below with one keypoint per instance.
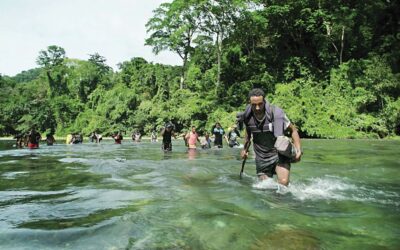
x,y
278,111
276,107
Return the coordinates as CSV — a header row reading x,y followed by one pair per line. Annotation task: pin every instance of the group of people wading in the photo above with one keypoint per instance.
x,y
32,138
265,124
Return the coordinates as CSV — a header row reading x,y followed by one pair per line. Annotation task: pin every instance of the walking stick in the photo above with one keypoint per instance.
x,y
244,160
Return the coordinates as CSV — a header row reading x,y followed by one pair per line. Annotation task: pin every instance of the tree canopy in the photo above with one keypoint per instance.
x,y
333,66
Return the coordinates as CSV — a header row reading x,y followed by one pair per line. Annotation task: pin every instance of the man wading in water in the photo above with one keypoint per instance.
x,y
166,133
34,138
192,137
265,123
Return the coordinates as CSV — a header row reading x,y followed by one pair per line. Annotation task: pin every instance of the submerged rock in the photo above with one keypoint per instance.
x,y
287,239
198,178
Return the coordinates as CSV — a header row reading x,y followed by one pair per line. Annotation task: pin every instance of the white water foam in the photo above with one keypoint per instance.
x,y
266,184
7,162
330,188
72,160
14,175
322,189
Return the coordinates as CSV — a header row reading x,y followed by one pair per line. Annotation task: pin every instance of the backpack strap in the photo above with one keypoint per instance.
x,y
277,123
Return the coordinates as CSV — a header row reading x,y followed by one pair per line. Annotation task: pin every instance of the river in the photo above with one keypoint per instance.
x,y
344,194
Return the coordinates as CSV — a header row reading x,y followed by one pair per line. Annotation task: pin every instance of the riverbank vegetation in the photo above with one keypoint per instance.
x,y
333,66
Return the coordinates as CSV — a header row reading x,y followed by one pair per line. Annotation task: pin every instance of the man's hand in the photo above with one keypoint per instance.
x,y
244,154
298,155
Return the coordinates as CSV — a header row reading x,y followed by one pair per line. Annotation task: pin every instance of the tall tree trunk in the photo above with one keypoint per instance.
x,y
52,84
183,72
328,33
341,47
219,51
182,79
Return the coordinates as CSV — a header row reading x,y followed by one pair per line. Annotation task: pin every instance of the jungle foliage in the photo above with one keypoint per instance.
x,y
333,66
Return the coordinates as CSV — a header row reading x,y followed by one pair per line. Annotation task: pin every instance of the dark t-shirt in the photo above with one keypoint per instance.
x,y
218,133
77,139
263,139
167,136
34,137
50,139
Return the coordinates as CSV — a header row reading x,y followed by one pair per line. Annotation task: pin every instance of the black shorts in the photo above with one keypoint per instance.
x,y
167,146
268,166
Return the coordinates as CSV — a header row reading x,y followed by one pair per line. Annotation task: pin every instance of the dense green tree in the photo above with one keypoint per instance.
x,y
332,65
217,20
52,60
92,73
28,75
173,28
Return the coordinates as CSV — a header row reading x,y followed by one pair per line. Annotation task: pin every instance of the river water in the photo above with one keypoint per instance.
x,y
345,194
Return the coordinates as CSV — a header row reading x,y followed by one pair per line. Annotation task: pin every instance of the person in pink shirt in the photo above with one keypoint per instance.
x,y
192,137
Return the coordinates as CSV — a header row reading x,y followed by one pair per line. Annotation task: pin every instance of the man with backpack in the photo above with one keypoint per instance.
x,y
265,123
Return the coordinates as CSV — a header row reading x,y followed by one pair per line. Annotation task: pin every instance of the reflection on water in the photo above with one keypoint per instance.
x,y
192,153
135,196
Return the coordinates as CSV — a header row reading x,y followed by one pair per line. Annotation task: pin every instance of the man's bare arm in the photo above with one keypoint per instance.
x,y
296,140
247,138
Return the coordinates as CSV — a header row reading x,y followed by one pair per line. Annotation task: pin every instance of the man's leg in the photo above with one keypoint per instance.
x,y
264,169
283,174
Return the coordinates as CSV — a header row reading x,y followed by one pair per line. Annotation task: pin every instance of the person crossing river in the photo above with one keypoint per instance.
x,y
167,133
265,123
218,133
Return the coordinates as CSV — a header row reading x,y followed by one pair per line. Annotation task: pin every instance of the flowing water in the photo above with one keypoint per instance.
x,y
345,194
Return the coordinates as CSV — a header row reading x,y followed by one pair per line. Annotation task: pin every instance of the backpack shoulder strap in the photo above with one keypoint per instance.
x,y
272,113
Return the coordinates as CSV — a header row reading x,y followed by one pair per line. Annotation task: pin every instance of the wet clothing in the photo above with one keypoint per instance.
x,y
21,140
218,133
264,134
50,140
167,136
206,143
93,137
267,167
76,139
136,137
118,139
33,145
192,138
232,138
33,139
167,146
273,114
167,140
